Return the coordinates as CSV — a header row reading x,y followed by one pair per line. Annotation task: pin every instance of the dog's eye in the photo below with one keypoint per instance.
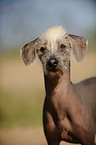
x,y
42,49
62,46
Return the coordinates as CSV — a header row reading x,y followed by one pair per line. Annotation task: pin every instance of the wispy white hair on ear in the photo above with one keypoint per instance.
x,y
53,33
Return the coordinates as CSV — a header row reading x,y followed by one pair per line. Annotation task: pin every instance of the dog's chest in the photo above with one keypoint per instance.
x,y
65,130
62,120
57,118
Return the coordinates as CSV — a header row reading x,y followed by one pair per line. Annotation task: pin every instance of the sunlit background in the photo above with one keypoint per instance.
x,y
22,89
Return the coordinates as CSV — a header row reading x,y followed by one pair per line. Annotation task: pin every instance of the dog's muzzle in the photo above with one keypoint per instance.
x,y
52,64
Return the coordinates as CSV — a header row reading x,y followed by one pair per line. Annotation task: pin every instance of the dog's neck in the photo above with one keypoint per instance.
x,y
52,84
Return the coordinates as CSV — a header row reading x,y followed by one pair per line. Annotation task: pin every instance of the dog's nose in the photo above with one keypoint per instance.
x,y
53,62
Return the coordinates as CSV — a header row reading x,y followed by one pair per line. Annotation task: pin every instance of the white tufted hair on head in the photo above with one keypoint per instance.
x,y
53,33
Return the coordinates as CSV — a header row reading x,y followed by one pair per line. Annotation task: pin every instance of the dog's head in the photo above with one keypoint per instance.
x,y
54,48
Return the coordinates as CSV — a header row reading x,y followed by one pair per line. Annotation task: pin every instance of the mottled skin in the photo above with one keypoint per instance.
x,y
70,114
69,111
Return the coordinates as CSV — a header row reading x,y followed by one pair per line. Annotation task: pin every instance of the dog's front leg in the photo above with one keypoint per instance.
x,y
50,129
51,134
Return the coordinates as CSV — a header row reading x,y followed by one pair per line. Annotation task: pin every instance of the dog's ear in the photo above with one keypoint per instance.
x,y
28,52
79,46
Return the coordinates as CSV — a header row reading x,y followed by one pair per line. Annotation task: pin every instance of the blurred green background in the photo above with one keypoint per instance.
x,y
21,92
22,89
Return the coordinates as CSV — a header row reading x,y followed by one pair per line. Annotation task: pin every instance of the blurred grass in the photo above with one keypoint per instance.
x,y
22,89
21,93
19,109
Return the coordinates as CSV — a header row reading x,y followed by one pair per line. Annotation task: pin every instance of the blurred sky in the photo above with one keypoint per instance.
x,y
24,20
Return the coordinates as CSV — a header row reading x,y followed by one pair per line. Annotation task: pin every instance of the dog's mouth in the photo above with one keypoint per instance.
x,y
53,68
53,72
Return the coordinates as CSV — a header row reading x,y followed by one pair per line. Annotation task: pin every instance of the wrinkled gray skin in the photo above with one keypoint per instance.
x,y
69,111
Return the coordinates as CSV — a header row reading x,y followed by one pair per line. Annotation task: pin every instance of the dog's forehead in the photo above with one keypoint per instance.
x,y
52,35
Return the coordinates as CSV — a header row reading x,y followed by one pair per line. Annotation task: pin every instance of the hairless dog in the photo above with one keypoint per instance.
x,y
69,112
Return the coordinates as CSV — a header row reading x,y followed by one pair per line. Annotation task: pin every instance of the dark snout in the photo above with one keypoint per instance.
x,y
53,67
52,64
